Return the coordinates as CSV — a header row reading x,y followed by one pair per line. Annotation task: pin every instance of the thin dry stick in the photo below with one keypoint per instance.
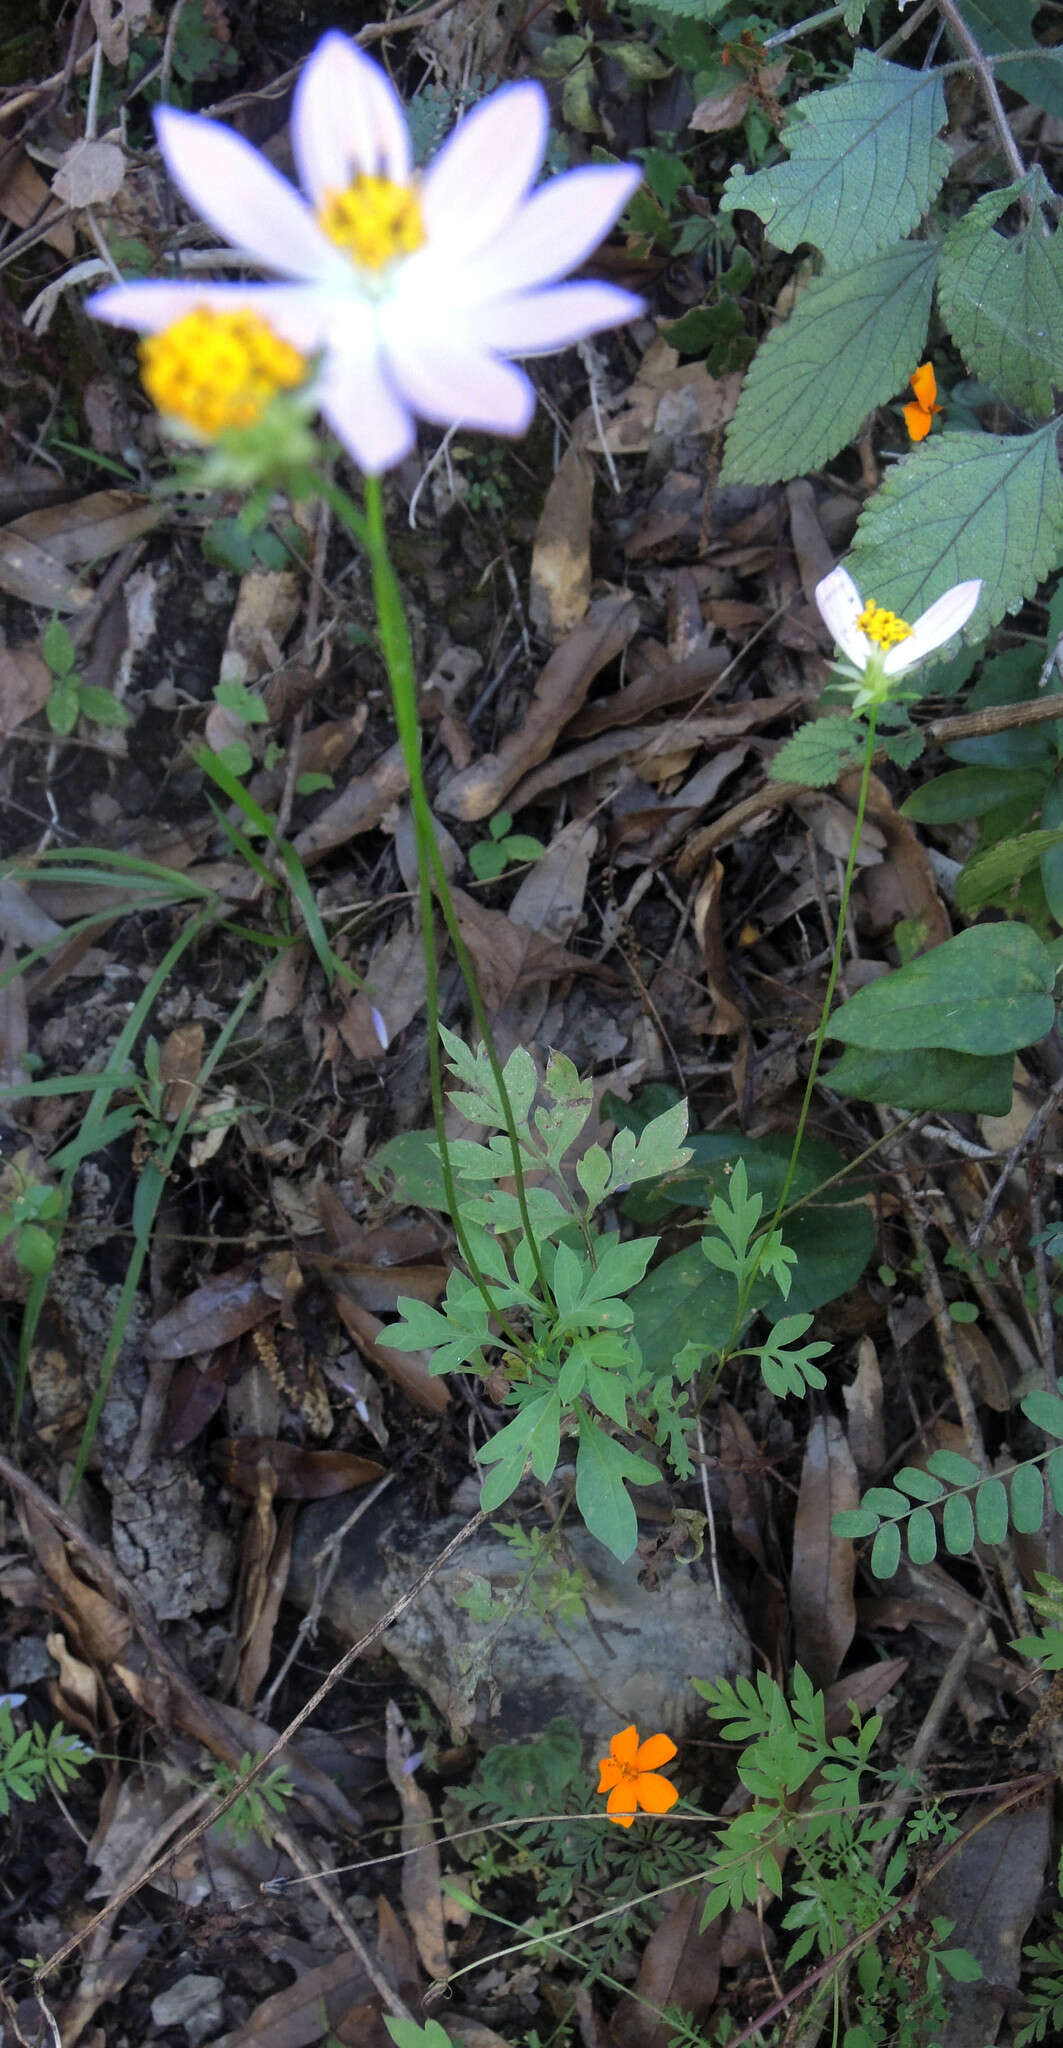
x,y
1031,1136
326,1563
220,1735
1023,1353
988,84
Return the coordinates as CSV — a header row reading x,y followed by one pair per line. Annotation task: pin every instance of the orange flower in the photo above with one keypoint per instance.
x,y
919,414
630,1777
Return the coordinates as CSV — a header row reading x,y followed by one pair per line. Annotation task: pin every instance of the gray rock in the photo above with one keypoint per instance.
x,y
193,2003
502,1669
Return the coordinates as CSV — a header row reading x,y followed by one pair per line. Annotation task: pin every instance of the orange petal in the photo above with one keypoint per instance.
x,y
654,1794
624,1748
611,1773
656,1750
925,386
620,1804
917,421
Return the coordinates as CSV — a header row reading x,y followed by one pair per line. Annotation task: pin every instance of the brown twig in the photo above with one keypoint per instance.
x,y
990,90
1031,1136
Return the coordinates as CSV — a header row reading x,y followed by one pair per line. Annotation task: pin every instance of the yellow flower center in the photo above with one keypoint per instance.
x,y
884,628
374,220
218,371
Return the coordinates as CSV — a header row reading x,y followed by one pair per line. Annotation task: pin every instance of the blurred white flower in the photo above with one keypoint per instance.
x,y
412,290
870,636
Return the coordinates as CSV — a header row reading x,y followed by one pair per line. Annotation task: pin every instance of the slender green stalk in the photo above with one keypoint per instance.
x,y
821,1032
398,656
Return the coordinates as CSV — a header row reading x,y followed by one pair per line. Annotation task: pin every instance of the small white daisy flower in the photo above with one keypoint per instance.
x,y
875,642
412,291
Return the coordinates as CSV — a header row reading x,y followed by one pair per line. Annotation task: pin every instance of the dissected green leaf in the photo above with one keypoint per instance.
x,y
988,990
851,341
956,1082
865,162
1002,296
962,505
818,752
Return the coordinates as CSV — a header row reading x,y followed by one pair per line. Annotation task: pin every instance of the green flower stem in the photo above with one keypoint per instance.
x,y
821,1033
371,532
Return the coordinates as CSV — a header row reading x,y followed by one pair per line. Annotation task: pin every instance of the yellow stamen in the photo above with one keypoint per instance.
x,y
374,220
218,371
884,628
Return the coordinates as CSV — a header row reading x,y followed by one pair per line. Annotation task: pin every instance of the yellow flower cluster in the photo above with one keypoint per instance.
x,y
374,220
218,371
884,628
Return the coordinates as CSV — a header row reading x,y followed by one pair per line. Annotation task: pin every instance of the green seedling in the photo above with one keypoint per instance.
x,y
489,858
69,698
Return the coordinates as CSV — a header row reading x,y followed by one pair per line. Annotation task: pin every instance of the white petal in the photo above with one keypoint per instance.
x,y
300,313
358,399
558,228
840,605
244,199
485,168
936,625
346,118
531,323
446,380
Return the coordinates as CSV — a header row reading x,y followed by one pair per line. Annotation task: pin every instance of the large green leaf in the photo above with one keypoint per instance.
x,y
865,163
1000,25
1002,297
956,1082
962,505
850,343
988,990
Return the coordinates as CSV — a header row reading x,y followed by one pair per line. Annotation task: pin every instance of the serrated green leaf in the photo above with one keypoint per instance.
x,y
1002,297
963,505
958,1082
818,752
886,1551
991,1512
990,877
988,990
865,163
957,1525
922,1537
848,346
1027,1499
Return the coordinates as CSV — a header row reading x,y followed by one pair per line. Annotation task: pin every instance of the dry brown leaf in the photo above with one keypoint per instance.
x,y
267,604
903,885
989,1890
561,554
649,745
89,528
662,681
25,687
824,1565
31,573
213,1314
478,790
394,985
720,111
422,1888
115,21
293,2018
26,201
102,1631
673,514
510,956
297,1474
102,1979
667,396
408,1369
180,1059
742,1467
269,1593
284,983
708,930
90,174
80,1697
862,1690
863,1407
680,1967
358,808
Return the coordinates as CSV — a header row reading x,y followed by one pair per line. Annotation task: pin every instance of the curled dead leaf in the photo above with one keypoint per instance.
x,y
296,1474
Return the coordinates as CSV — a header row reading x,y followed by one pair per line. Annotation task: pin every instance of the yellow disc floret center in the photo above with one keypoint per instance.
x,y
884,628
374,220
218,371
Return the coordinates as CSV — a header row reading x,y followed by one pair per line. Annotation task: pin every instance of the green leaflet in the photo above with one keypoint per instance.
x,y
850,344
988,505
991,876
1002,297
865,163
989,990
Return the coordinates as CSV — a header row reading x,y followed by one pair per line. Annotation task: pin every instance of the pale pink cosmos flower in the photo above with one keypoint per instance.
x,y
413,291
